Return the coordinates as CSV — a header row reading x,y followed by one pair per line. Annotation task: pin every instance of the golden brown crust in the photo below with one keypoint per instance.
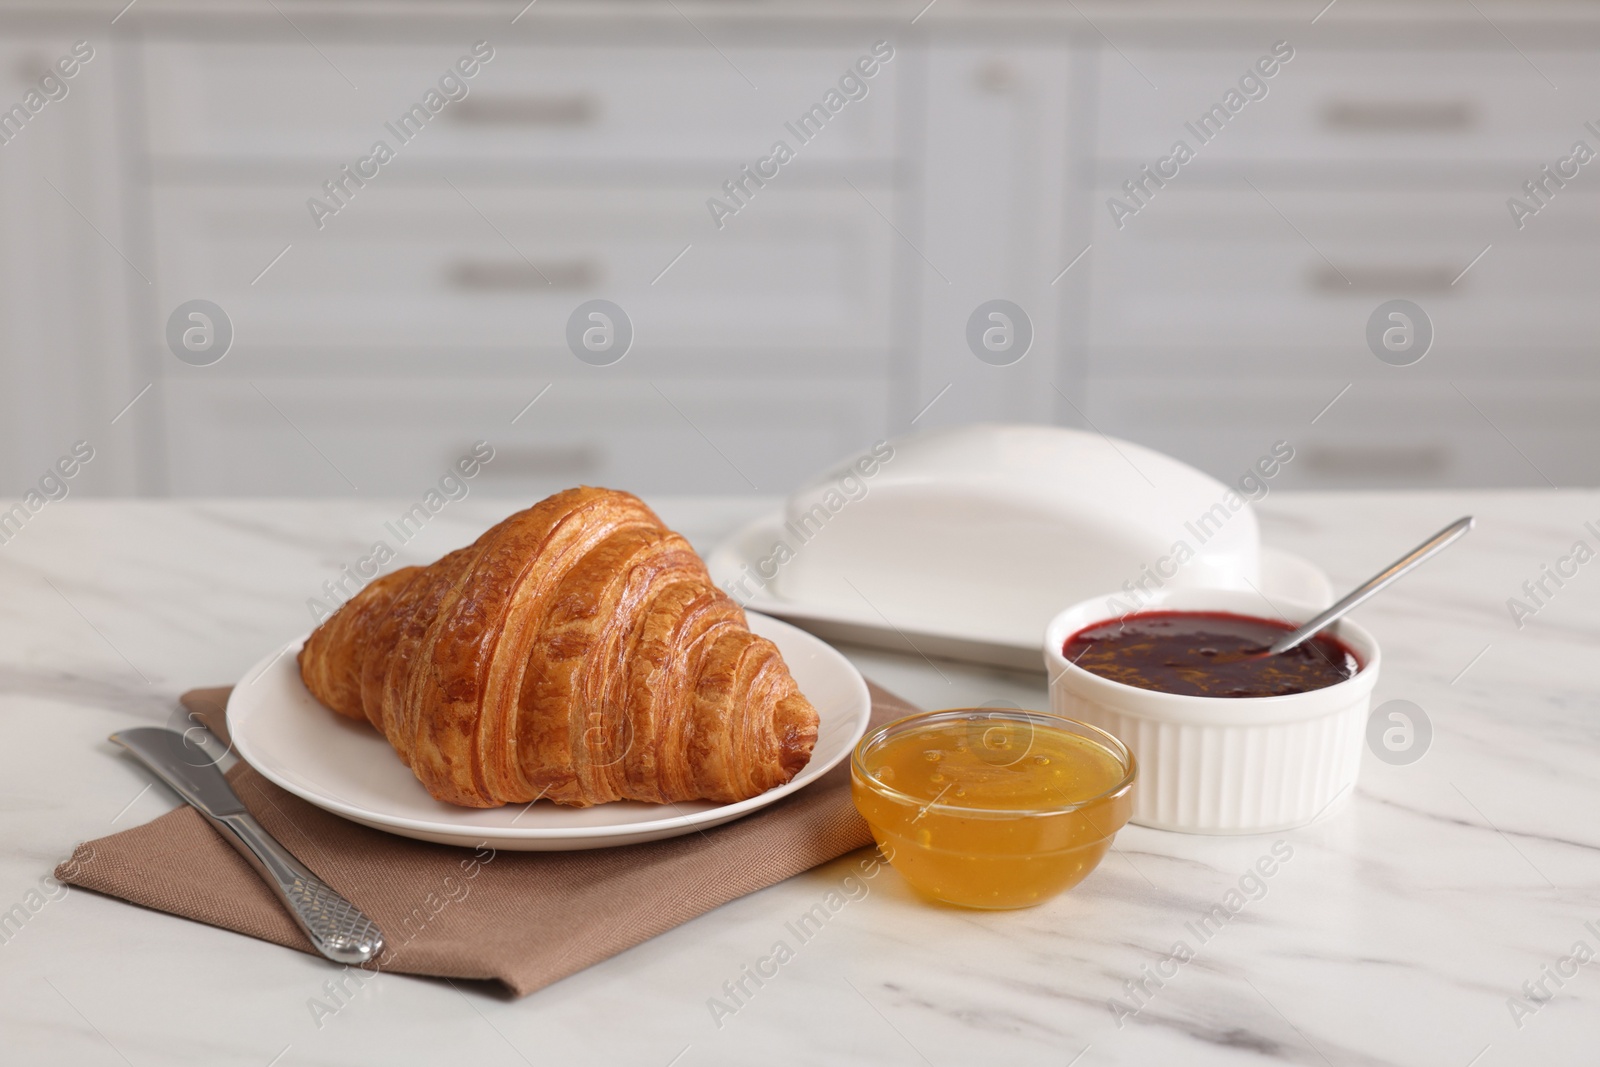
x,y
577,651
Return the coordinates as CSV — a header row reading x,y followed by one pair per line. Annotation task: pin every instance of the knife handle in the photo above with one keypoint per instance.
x,y
337,928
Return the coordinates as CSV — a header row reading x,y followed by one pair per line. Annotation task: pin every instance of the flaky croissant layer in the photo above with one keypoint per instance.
x,y
577,651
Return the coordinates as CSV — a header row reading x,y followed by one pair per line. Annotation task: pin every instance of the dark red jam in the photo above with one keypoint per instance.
x,y
1208,654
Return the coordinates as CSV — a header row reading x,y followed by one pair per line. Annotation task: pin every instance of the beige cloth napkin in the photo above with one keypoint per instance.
x,y
525,919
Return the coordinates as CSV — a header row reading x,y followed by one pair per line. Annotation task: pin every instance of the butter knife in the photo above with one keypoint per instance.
x,y
336,927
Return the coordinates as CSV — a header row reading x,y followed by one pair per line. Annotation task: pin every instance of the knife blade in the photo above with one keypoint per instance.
x,y
336,927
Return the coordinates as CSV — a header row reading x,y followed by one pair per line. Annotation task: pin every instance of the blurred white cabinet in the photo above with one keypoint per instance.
x,y
67,271
431,307
834,306
441,274
1230,309
993,227
1337,106
341,435
627,103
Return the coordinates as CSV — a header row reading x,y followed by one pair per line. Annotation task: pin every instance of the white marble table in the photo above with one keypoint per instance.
x,y
1394,935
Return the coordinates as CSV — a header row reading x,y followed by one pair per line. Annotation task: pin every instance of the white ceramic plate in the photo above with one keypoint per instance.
x,y
994,641
349,769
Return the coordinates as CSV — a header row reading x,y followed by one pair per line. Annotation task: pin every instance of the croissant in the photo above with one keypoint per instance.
x,y
577,651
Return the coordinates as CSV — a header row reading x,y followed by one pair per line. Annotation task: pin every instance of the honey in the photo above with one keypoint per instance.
x,y
992,809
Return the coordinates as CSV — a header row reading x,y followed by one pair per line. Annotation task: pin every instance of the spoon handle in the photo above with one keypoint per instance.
x,y
1431,547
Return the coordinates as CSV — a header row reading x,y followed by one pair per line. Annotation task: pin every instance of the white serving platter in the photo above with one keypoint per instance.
x,y
349,769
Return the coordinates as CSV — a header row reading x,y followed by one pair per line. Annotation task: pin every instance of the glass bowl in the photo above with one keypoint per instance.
x,y
1028,808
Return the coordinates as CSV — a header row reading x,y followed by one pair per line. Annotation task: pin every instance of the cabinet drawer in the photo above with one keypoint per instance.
x,y
408,273
1379,434
283,100
1337,106
318,437
1220,275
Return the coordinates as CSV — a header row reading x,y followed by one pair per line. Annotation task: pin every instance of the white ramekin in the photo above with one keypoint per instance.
x,y
1223,765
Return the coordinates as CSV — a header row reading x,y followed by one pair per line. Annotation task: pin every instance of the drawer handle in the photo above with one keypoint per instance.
x,y
1383,280
545,461
515,275
1378,461
527,111
1399,116
27,67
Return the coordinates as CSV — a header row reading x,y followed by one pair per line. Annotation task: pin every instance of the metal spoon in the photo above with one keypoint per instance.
x,y
1410,561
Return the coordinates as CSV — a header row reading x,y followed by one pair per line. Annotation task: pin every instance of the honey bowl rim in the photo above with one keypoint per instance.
x,y
1104,738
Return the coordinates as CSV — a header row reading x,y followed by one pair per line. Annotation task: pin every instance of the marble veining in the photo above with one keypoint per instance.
x,y
1402,930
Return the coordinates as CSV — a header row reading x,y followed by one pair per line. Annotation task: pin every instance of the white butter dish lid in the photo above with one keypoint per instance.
x,y
982,533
